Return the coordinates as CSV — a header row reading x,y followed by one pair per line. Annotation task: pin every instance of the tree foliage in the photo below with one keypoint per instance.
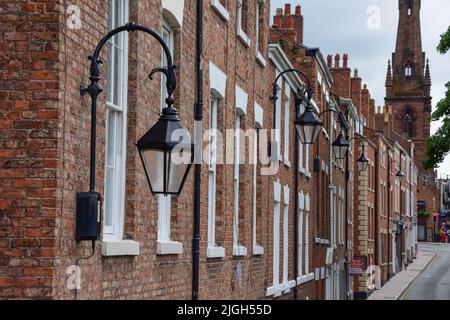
x,y
438,146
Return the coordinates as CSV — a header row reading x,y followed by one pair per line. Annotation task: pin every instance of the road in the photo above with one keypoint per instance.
x,y
434,282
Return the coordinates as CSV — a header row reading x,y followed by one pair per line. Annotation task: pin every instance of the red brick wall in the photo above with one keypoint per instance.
x,y
30,142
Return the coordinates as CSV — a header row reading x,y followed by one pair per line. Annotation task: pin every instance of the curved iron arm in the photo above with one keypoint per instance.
x,y
94,88
308,90
168,71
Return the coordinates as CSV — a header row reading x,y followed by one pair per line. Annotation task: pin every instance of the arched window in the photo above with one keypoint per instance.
x,y
165,244
409,7
116,122
408,70
408,124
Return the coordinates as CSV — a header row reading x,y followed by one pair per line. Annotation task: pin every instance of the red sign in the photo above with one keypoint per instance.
x,y
356,267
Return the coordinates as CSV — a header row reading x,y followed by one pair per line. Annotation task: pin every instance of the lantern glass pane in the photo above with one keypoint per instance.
x,y
306,133
179,163
154,166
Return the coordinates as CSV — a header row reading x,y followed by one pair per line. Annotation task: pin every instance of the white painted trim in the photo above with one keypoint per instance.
x,y
305,278
176,9
169,248
244,38
241,101
274,291
287,124
220,9
120,248
239,251
218,81
215,252
259,115
282,62
260,59
115,232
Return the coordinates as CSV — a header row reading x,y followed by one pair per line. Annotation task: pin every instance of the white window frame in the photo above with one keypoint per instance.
x,y
218,82
307,216
287,123
258,112
301,200
238,249
275,289
278,121
285,285
240,32
165,246
118,166
259,55
213,251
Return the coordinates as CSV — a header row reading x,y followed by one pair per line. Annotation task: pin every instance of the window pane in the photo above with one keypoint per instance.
x,y
111,138
109,197
117,77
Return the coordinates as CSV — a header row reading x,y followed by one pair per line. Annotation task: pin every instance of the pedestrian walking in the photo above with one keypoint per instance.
x,y
443,237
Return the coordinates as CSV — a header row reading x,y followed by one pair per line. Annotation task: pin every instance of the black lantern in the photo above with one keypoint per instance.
x,y
167,154
363,162
340,146
400,175
309,126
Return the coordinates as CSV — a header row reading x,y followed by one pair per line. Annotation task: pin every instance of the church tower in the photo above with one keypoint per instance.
x,y
408,82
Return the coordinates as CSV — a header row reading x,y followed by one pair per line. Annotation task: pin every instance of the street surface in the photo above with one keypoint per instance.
x,y
434,282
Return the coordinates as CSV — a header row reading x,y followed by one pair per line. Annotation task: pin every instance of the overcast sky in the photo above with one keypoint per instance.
x,y
342,27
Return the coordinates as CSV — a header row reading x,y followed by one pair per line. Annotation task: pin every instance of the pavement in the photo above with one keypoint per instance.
x,y
397,287
434,282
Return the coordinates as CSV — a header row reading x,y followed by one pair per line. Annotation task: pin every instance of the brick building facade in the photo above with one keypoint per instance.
x,y
262,236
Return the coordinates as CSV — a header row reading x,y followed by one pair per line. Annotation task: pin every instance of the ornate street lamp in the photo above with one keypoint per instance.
x,y
363,161
309,125
340,146
165,154
166,159
400,176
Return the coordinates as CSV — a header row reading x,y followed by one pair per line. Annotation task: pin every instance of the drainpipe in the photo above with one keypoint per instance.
x,y
198,117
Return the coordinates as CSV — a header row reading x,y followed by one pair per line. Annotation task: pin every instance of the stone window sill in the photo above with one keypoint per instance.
x,y
220,9
169,248
244,38
258,250
260,59
215,252
115,248
239,251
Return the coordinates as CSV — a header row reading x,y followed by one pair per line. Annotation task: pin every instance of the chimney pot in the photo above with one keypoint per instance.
x,y
298,10
337,61
356,74
287,9
279,12
330,61
345,61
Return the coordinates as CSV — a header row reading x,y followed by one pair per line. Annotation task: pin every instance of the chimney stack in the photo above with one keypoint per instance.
x,y
291,25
